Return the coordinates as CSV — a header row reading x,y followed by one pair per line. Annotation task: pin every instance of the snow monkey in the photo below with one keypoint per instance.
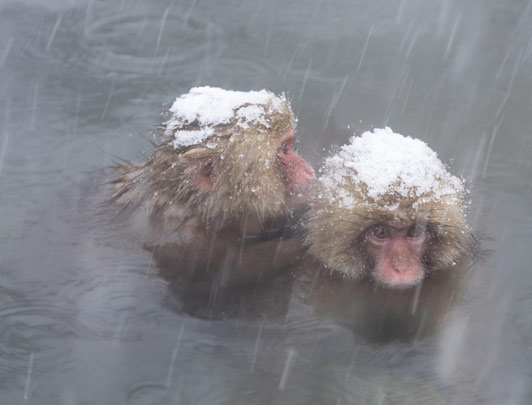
x,y
218,198
388,224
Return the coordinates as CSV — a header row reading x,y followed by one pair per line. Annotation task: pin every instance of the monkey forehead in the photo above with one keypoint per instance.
x,y
383,163
198,114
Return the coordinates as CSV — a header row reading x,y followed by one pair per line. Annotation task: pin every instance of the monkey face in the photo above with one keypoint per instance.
x,y
397,254
297,174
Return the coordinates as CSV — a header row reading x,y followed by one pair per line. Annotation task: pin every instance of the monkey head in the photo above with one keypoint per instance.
x,y
226,156
387,211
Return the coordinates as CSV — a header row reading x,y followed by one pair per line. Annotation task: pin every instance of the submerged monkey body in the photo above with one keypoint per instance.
x,y
379,314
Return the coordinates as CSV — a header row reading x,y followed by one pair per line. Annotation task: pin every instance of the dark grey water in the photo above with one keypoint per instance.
x,y
84,317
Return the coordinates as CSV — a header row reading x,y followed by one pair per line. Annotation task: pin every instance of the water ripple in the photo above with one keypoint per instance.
x,y
130,41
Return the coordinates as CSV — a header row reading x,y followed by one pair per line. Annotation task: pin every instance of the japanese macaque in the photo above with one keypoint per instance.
x,y
220,196
388,229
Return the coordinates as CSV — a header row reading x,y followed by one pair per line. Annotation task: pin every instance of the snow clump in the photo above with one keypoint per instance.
x,y
387,163
209,107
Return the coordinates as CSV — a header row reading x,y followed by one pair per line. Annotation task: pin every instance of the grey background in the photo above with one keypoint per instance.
x,y
87,321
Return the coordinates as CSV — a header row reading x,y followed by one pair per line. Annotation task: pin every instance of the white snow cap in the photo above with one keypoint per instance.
x,y
211,106
387,162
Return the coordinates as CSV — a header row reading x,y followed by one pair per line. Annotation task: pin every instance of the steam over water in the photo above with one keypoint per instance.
x,y
85,317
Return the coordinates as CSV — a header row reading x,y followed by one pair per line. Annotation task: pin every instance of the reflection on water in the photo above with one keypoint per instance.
x,y
84,315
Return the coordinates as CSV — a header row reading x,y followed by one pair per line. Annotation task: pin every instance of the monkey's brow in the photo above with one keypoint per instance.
x,y
374,219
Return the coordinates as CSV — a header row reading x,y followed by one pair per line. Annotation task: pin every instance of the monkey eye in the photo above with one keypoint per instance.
x,y
416,231
284,148
380,232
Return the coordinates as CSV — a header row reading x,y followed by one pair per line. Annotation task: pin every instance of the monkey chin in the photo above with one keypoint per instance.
x,y
395,281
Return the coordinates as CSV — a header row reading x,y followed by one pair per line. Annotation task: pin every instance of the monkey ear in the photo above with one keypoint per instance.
x,y
199,161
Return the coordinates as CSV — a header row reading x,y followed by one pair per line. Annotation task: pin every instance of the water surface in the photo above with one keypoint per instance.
x,y
84,316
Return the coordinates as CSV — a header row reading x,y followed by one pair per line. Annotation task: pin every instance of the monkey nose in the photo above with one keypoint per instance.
x,y
400,265
400,269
